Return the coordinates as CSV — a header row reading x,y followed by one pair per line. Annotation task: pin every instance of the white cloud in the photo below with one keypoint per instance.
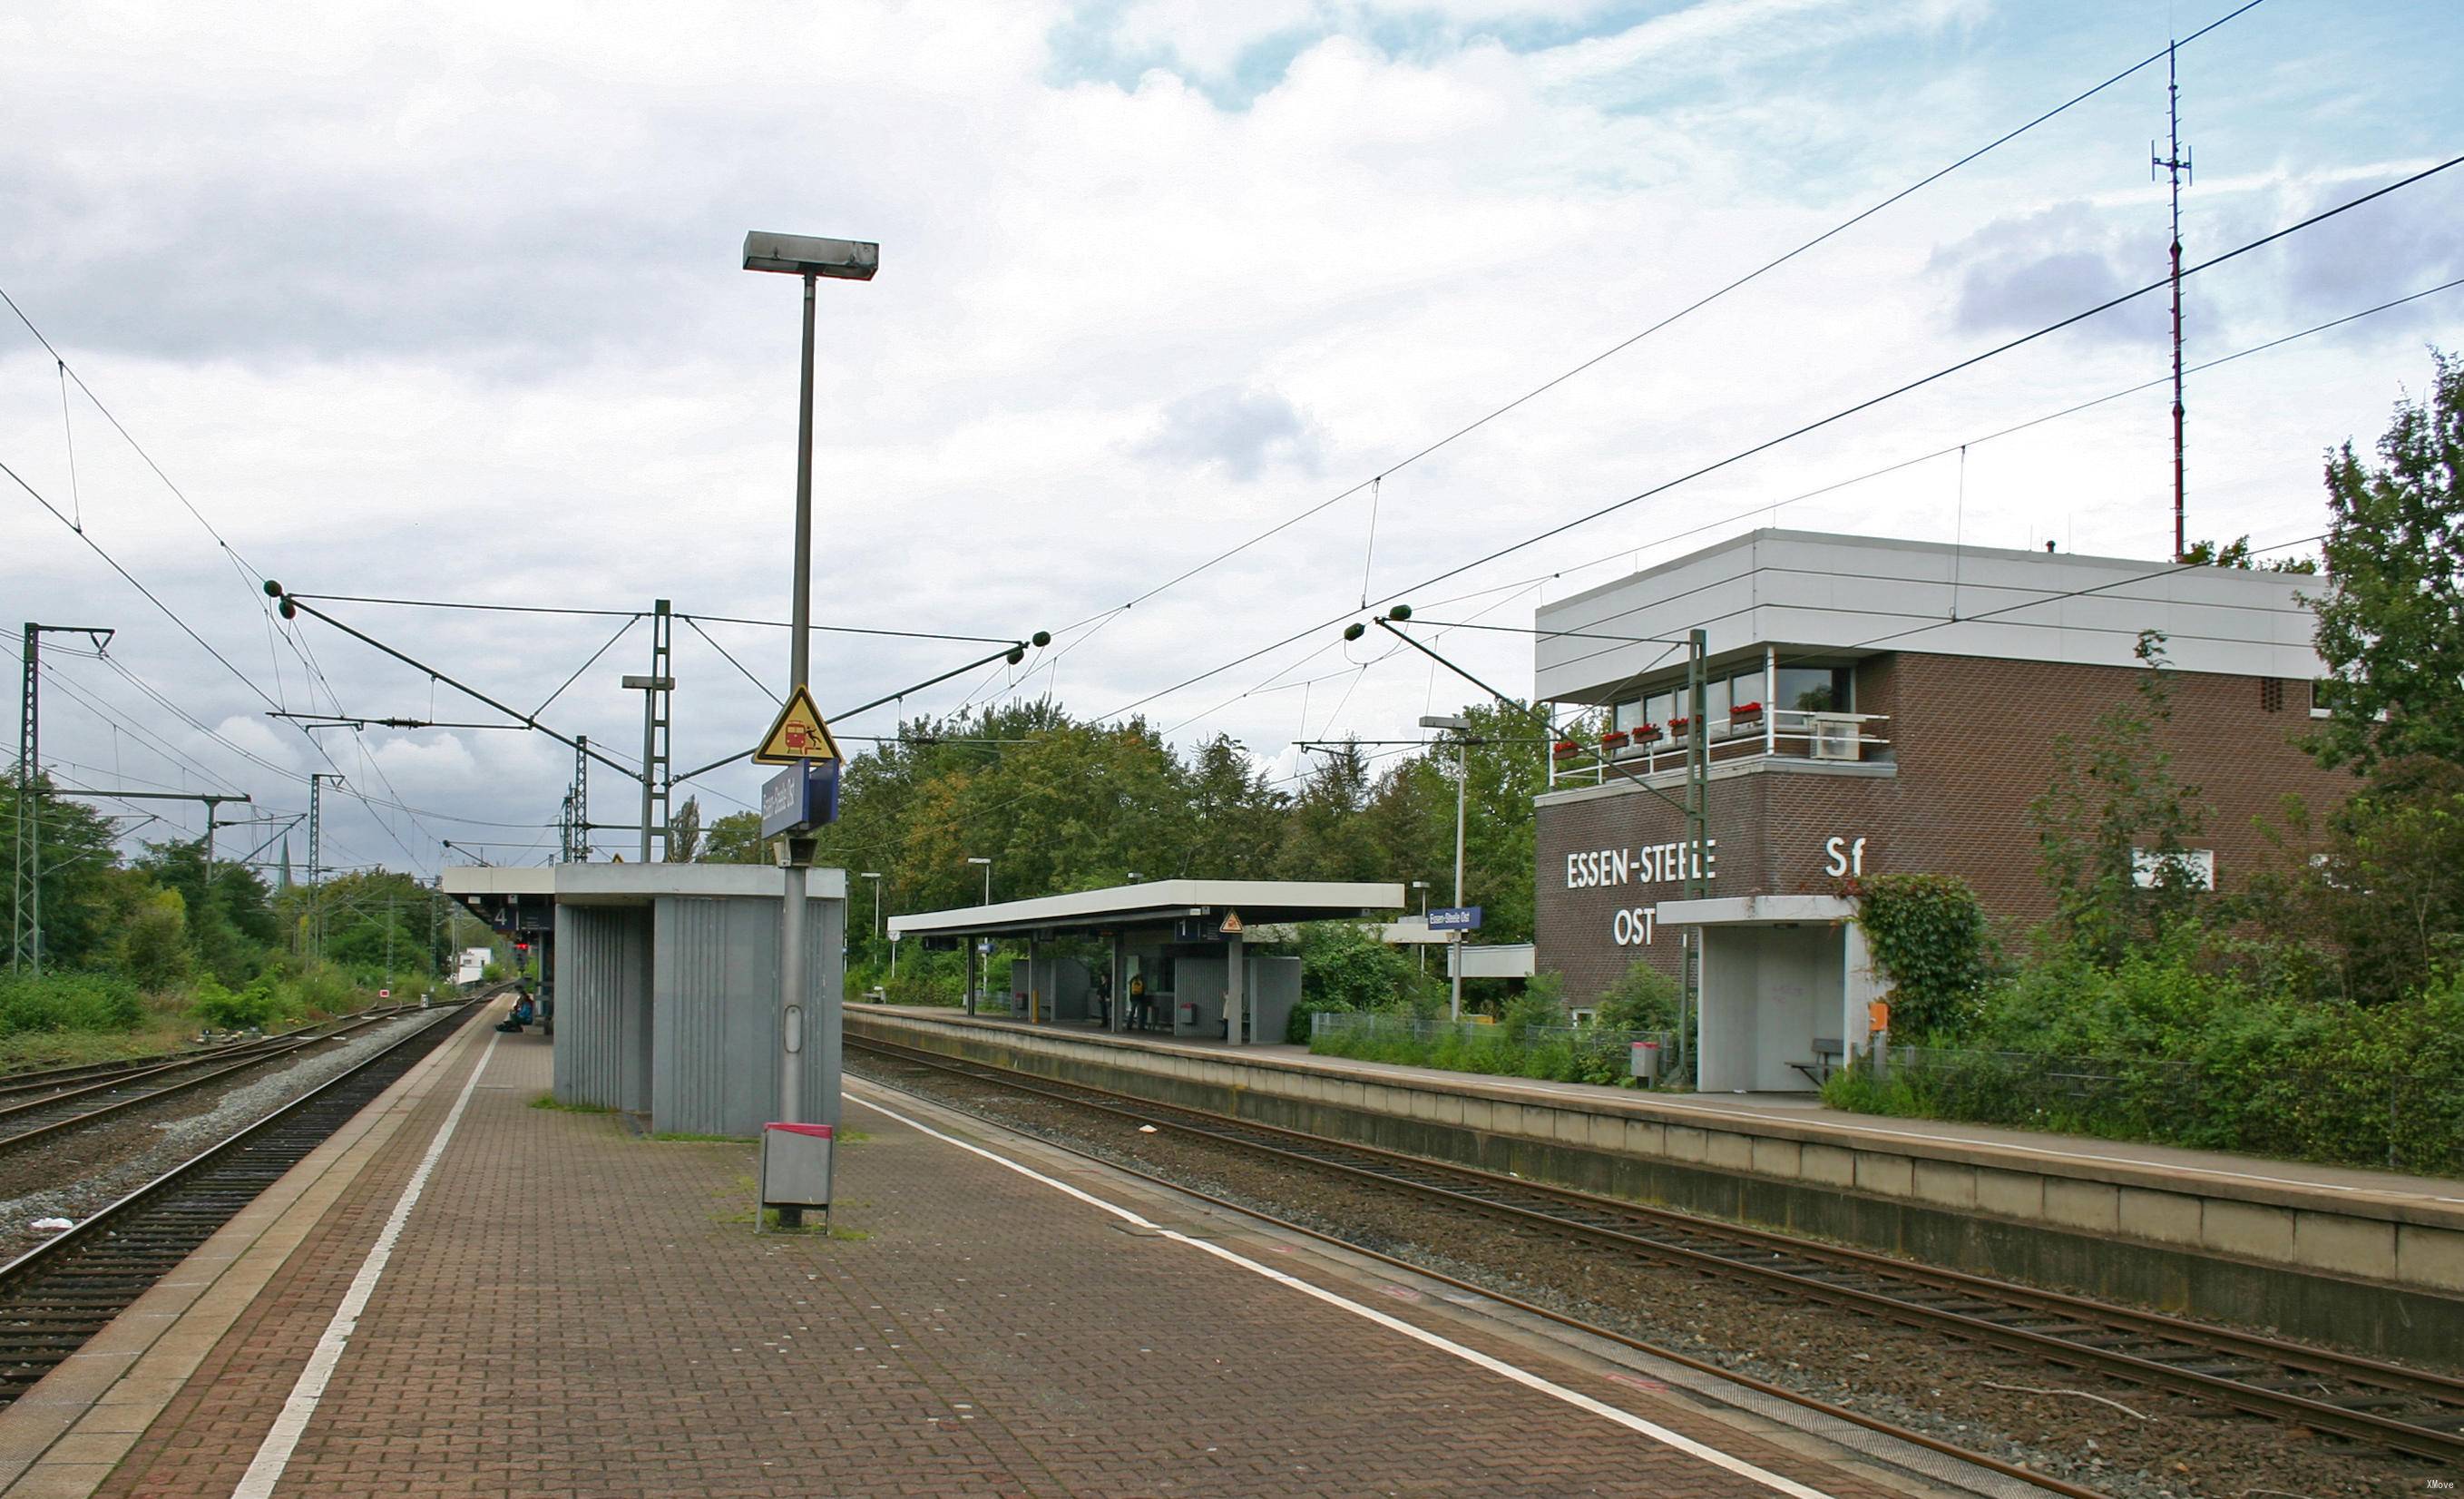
x,y
443,305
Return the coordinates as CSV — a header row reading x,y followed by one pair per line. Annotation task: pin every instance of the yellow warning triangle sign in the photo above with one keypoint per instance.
x,y
798,734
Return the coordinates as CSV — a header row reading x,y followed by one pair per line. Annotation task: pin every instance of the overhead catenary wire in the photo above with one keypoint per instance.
x,y
1948,371
1706,299
1766,507
1820,423
1961,447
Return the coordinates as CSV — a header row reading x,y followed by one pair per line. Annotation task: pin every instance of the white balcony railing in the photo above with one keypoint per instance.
x,y
1790,734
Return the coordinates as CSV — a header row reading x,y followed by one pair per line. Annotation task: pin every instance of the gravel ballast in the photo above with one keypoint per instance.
x,y
86,1170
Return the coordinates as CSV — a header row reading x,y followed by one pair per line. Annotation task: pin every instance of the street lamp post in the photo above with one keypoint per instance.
x,y
1422,886
812,258
876,875
1461,728
973,943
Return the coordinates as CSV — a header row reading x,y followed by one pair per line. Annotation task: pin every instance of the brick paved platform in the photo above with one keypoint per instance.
x,y
572,1311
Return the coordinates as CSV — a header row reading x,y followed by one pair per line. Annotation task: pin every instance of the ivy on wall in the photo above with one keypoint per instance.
x,y
1927,933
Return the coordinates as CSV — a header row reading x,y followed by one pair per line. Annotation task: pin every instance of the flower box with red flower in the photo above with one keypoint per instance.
x,y
1566,747
1746,712
1679,727
1614,739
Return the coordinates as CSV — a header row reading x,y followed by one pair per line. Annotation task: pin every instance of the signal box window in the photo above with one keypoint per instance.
x,y
1817,689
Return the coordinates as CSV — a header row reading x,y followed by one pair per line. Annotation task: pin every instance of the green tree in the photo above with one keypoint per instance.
x,y
1321,839
2369,900
684,832
154,944
1234,818
2391,623
2236,553
80,902
377,925
230,924
736,838
2111,828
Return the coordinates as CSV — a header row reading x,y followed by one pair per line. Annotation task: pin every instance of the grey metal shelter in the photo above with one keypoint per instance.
x,y
666,984
1185,937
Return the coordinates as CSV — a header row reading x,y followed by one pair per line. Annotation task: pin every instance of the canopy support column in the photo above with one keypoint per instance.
x,y
1233,994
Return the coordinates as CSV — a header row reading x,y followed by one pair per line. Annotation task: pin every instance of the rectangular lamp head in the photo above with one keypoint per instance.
x,y
803,254
1446,721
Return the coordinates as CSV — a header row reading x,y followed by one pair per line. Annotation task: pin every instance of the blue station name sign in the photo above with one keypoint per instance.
x,y
1455,919
803,796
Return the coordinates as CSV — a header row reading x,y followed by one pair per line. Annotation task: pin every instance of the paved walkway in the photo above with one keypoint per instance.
x,y
564,1309
1805,1111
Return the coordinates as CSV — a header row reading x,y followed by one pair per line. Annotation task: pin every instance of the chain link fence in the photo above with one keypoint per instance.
x,y
2337,1115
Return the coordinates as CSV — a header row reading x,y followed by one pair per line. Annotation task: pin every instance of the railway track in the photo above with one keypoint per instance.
x,y
2414,1412
44,1105
55,1296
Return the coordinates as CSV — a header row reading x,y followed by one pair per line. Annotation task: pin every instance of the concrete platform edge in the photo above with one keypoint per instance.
x,y
63,1437
2317,1265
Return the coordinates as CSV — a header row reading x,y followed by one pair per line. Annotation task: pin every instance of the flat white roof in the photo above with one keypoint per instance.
x,y
625,883
1157,902
1850,596
1758,911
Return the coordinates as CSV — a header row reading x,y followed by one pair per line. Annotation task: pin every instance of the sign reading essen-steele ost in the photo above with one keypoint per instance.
x,y
1652,864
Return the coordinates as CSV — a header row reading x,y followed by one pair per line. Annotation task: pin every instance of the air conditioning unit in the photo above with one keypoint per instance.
x,y
1833,735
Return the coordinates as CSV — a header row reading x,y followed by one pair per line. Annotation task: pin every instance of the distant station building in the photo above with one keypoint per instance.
x,y
1876,706
1168,956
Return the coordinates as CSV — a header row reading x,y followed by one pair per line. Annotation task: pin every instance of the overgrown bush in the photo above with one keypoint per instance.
x,y
1529,1039
154,942
1927,933
1644,999
60,1002
263,1004
2174,1044
914,989
1345,967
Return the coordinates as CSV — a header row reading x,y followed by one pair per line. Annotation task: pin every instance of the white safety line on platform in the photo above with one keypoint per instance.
x,y
1472,1355
274,1453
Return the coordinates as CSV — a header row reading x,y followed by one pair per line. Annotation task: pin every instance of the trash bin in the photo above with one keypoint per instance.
x,y
794,1168
1646,1062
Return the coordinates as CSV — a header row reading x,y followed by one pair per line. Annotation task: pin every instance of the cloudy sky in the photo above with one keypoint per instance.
x,y
444,304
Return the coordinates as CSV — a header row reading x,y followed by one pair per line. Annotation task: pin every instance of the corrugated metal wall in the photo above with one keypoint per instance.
x,y
602,1001
716,1068
717,972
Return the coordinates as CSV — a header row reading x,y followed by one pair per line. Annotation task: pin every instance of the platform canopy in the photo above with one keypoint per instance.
x,y
1158,903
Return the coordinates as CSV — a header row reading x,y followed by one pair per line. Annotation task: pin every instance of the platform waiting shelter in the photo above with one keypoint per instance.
x,y
1185,938
1785,983
666,984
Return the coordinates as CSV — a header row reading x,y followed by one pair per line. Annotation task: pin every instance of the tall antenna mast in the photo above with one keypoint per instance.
x,y
2176,165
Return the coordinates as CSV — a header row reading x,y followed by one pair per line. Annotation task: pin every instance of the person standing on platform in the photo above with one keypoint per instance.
x,y
1141,1004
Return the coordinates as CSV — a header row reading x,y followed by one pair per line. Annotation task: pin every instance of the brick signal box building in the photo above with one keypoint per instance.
x,y
1881,706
